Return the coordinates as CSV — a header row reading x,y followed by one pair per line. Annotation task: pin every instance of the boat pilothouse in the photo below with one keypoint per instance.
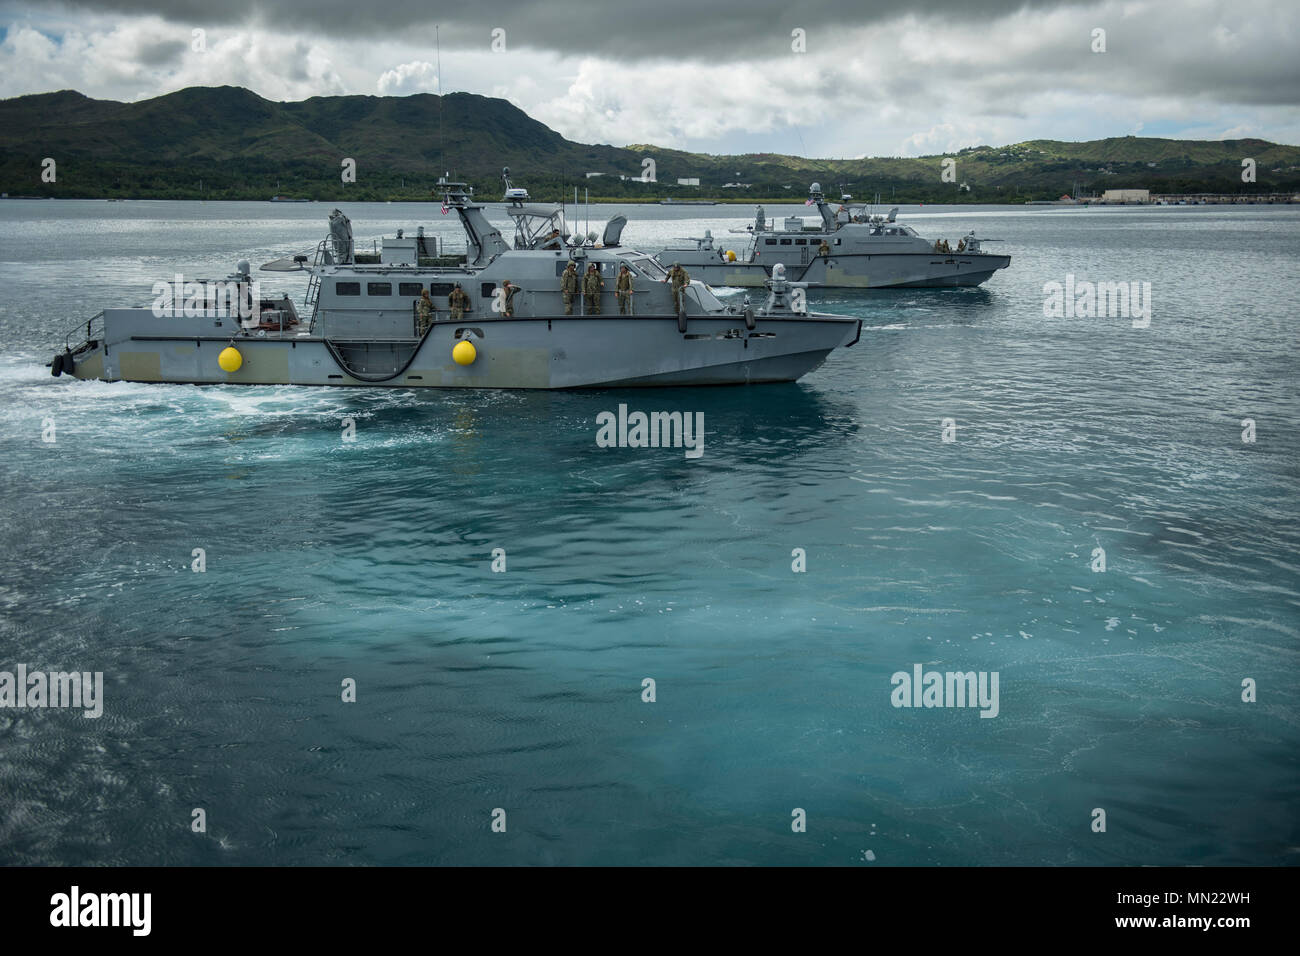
x,y
416,311
844,248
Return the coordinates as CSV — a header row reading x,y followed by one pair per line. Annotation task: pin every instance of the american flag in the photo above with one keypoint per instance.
x,y
807,202
445,209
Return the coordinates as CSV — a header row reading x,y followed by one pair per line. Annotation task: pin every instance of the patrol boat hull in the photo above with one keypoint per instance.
x,y
555,352
416,315
844,248
906,270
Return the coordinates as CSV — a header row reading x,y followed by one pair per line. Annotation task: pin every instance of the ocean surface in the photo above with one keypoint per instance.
x,y
327,560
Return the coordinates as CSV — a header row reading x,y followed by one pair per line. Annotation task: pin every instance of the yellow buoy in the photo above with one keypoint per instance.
x,y
464,353
230,360
731,256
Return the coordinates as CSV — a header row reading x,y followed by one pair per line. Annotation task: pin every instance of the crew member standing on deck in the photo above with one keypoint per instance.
x,y
424,312
680,280
508,300
569,286
592,284
458,301
624,290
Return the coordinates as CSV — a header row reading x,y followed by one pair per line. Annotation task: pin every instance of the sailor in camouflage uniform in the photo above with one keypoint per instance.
x,y
680,280
592,284
569,286
424,312
624,290
458,302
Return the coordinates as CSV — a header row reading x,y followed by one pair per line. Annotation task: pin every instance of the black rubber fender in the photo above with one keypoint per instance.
x,y
56,366
749,319
681,322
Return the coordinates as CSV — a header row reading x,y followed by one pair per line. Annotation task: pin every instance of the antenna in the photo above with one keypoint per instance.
x,y
442,142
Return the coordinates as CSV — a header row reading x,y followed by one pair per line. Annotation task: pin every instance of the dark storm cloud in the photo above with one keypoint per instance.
x,y
638,29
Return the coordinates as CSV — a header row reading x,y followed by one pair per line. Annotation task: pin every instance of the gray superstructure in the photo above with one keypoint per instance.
x,y
360,323
848,248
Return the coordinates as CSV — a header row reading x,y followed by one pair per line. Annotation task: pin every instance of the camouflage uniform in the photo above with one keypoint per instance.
x,y
569,287
592,283
680,281
459,302
509,304
424,314
824,249
624,290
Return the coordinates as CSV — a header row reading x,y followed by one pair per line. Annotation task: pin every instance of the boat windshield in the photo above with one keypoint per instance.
x,y
649,265
537,227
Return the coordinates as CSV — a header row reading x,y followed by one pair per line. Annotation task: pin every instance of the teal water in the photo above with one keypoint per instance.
x,y
521,690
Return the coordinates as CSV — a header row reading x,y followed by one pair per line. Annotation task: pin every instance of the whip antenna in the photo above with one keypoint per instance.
x,y
442,142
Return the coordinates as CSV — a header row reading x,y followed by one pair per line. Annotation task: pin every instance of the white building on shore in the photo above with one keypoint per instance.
x,y
1126,195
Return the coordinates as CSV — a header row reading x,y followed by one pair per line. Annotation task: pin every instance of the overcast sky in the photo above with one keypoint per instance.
x,y
875,78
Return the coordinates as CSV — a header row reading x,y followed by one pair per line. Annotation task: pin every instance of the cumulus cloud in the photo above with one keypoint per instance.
x,y
415,77
136,59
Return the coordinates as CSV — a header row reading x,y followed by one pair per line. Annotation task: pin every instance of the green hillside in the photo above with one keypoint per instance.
x,y
230,143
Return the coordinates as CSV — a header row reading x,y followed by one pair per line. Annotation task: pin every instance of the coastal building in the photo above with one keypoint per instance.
x,y
1126,195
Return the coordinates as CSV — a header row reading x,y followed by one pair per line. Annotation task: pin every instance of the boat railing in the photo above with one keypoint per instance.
x,y
89,337
373,340
267,321
431,252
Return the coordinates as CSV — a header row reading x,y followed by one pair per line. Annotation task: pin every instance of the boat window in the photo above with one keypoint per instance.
x,y
785,242
409,288
441,288
651,267
379,288
486,289
769,242
837,242
801,242
347,288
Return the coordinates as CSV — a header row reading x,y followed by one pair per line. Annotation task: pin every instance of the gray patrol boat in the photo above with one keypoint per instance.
x,y
848,248
360,324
